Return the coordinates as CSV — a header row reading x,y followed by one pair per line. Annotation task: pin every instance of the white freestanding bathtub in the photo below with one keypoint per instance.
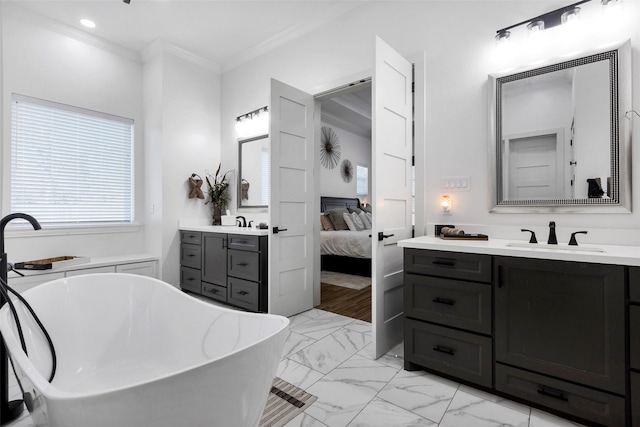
x,y
135,351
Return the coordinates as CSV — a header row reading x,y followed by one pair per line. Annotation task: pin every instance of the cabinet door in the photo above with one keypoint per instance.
x,y
147,268
214,258
564,319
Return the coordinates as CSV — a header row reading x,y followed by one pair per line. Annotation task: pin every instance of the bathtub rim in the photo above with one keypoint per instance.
x,y
52,392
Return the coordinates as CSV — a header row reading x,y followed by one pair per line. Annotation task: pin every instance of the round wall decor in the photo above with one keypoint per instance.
x,y
329,147
346,170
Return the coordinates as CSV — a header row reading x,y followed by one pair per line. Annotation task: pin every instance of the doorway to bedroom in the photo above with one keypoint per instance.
x,y
345,195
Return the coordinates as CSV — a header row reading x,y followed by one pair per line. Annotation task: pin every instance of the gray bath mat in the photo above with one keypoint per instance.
x,y
350,281
284,403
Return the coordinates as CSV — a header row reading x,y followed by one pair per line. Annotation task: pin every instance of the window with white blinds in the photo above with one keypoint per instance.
x,y
70,166
362,180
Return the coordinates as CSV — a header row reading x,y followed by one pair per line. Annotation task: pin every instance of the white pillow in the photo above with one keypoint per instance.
x,y
369,217
365,220
357,221
350,219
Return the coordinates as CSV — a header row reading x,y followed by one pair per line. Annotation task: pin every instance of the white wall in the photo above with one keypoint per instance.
x,y
43,63
355,148
174,99
457,38
190,143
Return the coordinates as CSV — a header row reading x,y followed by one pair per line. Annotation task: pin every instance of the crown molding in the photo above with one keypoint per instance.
x,y
11,9
160,46
323,17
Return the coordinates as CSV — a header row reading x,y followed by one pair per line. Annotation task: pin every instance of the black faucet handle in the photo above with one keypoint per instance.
x,y
533,235
573,241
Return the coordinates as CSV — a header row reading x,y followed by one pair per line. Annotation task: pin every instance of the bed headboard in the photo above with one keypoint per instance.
x,y
327,203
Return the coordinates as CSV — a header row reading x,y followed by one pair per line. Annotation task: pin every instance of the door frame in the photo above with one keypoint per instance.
x,y
418,60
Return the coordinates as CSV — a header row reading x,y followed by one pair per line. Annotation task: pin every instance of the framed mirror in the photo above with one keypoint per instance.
x,y
253,172
559,140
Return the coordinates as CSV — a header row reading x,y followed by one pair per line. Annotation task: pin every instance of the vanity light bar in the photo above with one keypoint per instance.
x,y
250,115
548,20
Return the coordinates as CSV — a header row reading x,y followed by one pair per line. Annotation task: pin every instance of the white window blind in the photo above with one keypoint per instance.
x,y
70,165
362,180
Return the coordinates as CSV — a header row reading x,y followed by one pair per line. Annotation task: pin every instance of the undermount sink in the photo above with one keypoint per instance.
x,y
554,247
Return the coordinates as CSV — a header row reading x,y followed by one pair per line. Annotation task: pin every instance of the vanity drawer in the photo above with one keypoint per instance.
x,y
460,354
634,334
190,279
451,265
192,237
595,406
244,265
634,284
244,293
214,291
245,243
464,305
190,255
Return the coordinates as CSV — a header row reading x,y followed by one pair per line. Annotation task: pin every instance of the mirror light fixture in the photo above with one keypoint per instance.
x,y
446,204
564,15
253,123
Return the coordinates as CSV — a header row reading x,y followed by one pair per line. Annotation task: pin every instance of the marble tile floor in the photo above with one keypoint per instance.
x,y
330,356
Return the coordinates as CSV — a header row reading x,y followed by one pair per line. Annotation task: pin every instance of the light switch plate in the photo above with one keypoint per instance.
x,y
456,183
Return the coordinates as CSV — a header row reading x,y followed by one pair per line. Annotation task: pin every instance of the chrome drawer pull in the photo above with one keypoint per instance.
x,y
444,301
445,350
444,262
552,393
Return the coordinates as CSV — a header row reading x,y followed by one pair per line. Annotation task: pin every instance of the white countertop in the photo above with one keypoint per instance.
x,y
229,229
613,254
93,262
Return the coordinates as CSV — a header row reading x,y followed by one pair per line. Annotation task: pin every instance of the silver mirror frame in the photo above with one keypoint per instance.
x,y
619,56
239,185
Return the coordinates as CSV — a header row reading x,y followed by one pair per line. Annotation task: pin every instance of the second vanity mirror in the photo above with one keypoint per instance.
x,y
559,139
253,172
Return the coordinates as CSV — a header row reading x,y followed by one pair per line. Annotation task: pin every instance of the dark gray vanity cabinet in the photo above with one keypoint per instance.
x,y
560,336
563,336
634,343
447,301
231,268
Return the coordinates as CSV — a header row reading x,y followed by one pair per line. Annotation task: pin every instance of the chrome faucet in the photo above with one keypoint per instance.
x,y
242,223
8,410
552,234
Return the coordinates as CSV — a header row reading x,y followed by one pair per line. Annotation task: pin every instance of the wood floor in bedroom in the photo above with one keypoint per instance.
x,y
347,302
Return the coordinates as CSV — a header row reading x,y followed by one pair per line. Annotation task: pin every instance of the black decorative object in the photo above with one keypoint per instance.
x,y
329,148
346,170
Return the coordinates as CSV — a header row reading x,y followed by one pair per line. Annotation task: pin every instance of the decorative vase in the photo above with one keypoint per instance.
x,y
217,214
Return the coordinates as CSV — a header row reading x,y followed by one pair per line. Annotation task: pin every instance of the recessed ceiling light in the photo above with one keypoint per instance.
x,y
88,23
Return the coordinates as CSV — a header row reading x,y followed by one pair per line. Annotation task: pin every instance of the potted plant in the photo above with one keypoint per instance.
x,y
218,194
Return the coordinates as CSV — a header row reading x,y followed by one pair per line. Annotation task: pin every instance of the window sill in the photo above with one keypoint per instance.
x,y
65,230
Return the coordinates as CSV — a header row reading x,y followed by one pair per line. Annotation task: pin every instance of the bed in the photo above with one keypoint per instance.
x,y
345,251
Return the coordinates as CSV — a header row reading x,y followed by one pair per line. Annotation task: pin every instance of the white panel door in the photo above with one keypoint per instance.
x,y
534,168
391,188
291,202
